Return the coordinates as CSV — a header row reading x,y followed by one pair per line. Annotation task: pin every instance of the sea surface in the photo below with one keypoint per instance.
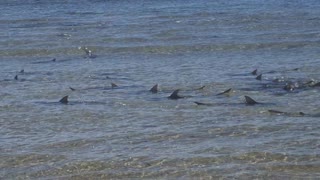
x,y
55,48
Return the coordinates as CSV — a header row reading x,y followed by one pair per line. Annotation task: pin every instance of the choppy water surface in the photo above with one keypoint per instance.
x,y
129,132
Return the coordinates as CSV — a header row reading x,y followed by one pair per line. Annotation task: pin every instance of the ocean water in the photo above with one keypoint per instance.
x,y
127,132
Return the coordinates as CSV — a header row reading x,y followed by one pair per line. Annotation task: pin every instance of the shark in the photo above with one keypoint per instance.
x,y
175,95
154,89
250,101
64,100
226,92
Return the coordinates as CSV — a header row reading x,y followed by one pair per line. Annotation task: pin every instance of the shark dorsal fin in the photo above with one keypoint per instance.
x,y
226,91
250,101
175,95
113,85
72,89
64,100
16,77
259,77
254,72
154,89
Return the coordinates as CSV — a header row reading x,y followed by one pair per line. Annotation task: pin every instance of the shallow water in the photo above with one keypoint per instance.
x,y
129,132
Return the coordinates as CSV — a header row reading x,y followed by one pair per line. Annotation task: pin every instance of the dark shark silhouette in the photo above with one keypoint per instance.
x,y
175,95
202,104
16,78
42,62
113,85
154,89
276,111
250,101
225,92
285,113
254,72
259,77
64,100
316,85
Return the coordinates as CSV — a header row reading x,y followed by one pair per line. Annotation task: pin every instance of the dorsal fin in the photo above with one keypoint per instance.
x,y
254,72
54,60
22,71
154,89
175,95
16,77
64,100
113,85
72,89
225,92
250,101
259,77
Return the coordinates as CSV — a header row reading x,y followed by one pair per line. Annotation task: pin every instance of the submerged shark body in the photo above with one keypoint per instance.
x,y
286,113
226,92
66,101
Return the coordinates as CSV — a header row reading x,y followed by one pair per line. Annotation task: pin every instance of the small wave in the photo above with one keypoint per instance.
x,y
155,49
